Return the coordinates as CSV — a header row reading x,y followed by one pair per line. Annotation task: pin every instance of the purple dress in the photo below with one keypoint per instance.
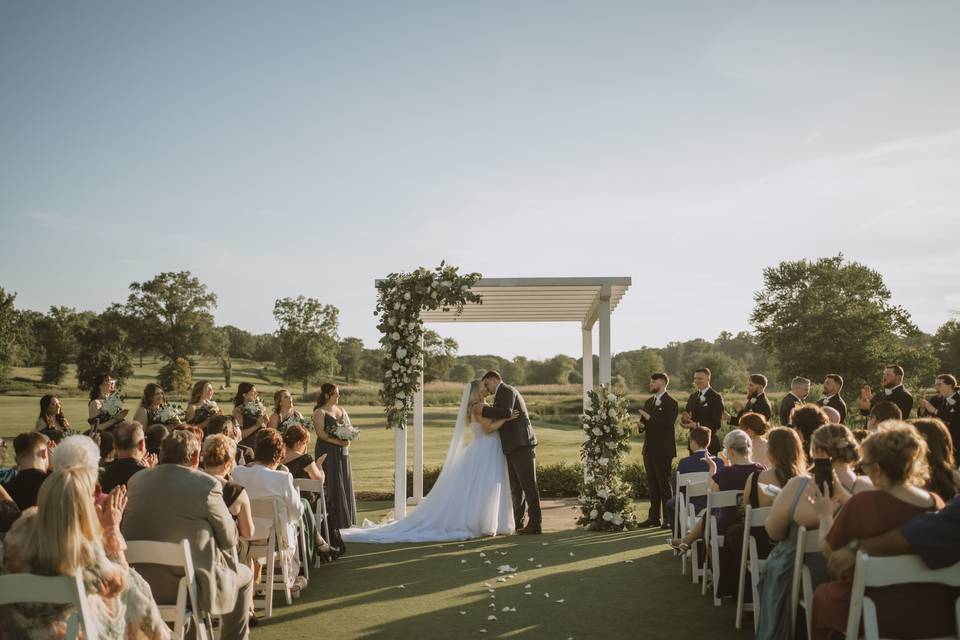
x,y
732,478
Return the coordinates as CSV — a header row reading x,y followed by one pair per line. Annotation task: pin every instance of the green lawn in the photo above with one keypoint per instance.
x,y
600,585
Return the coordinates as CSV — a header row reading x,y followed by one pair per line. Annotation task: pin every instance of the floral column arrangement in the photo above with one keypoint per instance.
x,y
400,299
604,496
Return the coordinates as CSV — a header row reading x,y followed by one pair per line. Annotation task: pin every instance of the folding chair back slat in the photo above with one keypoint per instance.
x,y
16,588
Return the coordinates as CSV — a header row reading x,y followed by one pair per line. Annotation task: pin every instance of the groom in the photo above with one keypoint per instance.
x,y
518,440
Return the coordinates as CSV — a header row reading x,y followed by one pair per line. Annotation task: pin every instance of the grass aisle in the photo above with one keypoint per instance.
x,y
616,585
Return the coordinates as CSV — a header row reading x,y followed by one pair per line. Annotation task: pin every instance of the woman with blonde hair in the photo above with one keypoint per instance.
x,y
70,535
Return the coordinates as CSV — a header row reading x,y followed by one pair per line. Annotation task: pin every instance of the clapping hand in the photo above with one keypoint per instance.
x,y
110,511
686,420
737,406
866,395
149,460
711,463
928,406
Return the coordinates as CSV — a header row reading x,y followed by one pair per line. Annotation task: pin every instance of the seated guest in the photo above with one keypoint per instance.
x,y
227,425
807,418
108,451
698,442
67,536
263,480
6,475
51,416
893,457
832,386
756,400
733,476
193,508
786,460
881,412
799,390
33,466
217,457
756,427
944,478
153,436
296,459
833,416
946,406
131,456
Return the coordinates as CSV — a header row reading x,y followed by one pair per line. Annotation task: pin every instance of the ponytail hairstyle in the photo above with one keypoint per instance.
x,y
325,390
242,389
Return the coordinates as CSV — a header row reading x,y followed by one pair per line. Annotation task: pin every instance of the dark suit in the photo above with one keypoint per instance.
x,y
659,450
898,396
837,403
786,406
758,404
949,412
707,411
519,442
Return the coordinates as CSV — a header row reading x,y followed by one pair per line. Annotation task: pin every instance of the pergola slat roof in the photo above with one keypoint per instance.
x,y
537,300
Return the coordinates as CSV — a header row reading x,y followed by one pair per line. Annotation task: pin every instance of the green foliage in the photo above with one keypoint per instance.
x,y
636,366
439,356
29,351
515,371
462,372
350,358
103,349
171,314
559,480
946,346
266,347
8,331
307,338
817,317
176,376
555,370
217,345
59,331
243,344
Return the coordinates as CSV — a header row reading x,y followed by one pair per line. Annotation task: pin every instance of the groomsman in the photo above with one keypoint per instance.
x,y
704,408
657,420
893,391
799,389
832,386
946,406
756,400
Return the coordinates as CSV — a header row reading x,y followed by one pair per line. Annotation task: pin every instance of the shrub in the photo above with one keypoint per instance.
x,y
176,376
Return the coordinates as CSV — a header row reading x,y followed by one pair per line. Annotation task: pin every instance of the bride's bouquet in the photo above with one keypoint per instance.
x,y
297,418
170,414
253,409
342,429
111,406
207,409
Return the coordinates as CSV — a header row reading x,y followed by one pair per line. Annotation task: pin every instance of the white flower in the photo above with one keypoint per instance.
x,y
586,437
596,431
612,445
593,514
406,296
607,516
392,321
617,520
394,336
398,404
464,287
602,494
396,306
401,353
613,414
433,294
395,366
603,461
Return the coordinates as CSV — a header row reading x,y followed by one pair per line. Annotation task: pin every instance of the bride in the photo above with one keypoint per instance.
x,y
471,497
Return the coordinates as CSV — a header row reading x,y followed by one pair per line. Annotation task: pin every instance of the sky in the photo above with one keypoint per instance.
x,y
286,148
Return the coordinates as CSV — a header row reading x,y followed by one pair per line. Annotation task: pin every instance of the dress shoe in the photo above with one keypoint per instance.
x,y
529,530
649,523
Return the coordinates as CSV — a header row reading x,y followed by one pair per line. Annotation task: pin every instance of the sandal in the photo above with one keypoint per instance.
x,y
680,546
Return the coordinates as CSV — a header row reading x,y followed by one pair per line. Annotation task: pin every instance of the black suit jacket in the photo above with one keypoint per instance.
x,y
786,406
759,405
514,433
660,437
900,397
708,413
837,403
949,413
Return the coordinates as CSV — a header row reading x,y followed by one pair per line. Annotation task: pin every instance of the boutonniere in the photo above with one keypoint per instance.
x,y
657,402
887,392
751,400
703,400
951,401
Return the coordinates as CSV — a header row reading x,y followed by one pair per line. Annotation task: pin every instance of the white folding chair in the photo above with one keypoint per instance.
x,y
171,554
801,587
20,588
883,572
681,482
320,513
695,490
712,539
750,556
267,543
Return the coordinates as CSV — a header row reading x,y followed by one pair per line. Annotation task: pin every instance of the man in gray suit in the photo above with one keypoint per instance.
x,y
519,446
174,501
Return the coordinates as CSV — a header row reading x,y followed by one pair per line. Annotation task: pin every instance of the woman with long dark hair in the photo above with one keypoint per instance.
x,y
249,413
104,385
944,477
51,416
151,402
338,477
202,406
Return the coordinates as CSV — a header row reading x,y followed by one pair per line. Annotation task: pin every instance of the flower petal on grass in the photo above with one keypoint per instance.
x,y
560,601
491,617
528,586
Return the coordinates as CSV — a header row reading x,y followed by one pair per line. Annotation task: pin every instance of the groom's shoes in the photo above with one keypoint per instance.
x,y
529,530
649,523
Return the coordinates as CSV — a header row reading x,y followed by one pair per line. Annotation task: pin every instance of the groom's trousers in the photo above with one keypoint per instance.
x,y
522,468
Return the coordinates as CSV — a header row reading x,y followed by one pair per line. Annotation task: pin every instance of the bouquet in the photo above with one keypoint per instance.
x,y
170,414
342,429
207,409
111,406
295,417
253,409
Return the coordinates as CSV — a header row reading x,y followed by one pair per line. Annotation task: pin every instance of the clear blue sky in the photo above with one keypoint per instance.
x,y
284,148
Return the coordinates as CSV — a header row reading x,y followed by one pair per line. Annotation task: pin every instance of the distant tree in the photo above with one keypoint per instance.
x,y
29,348
830,315
243,344
946,346
370,364
462,372
555,370
217,345
439,355
58,331
8,331
103,348
636,366
728,374
515,371
307,338
350,358
176,376
173,314
265,347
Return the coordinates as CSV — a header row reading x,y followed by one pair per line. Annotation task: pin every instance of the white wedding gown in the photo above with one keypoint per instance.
x,y
470,499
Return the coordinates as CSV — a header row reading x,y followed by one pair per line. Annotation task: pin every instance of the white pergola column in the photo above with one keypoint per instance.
x,y
418,437
587,374
399,473
604,316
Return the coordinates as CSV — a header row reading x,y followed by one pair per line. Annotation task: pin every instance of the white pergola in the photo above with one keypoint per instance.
x,y
583,300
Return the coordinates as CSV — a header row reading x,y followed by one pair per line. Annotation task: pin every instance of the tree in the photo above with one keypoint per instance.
x,y
243,344
556,370
8,331
217,345
829,316
439,356
370,365
462,372
515,371
176,376
307,338
29,351
351,357
265,347
946,346
58,331
637,366
727,374
173,314
103,348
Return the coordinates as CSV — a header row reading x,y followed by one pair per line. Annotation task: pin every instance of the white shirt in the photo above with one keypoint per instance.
x,y
892,389
261,482
703,392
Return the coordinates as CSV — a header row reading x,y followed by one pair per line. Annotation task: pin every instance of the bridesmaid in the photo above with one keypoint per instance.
x,y
249,425
51,416
150,404
202,392
103,386
284,415
338,481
